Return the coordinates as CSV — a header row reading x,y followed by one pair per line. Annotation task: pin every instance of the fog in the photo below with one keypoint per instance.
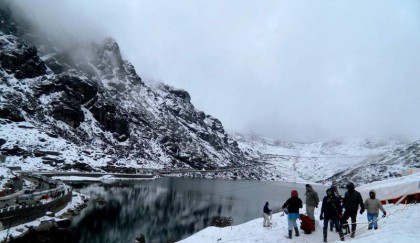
x,y
294,70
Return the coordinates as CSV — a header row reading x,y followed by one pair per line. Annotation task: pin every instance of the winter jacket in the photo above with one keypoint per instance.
x,y
352,200
293,204
312,198
373,205
331,207
266,210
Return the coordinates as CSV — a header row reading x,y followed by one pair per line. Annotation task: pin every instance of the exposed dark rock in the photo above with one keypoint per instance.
x,y
79,166
14,151
111,120
117,169
131,74
12,113
2,141
53,135
98,102
80,88
26,127
67,111
181,94
221,221
19,59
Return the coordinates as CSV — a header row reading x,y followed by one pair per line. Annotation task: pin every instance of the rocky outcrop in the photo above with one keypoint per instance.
x,y
11,113
19,59
93,99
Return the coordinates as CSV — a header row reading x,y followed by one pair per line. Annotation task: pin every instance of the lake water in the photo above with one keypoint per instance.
x,y
170,209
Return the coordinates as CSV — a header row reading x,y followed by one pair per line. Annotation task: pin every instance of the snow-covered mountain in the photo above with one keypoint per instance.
x,y
340,161
394,163
84,107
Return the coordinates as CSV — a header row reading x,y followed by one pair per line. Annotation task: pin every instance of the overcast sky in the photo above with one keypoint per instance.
x,y
294,70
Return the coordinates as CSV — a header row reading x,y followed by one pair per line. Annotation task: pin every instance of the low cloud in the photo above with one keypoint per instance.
x,y
295,70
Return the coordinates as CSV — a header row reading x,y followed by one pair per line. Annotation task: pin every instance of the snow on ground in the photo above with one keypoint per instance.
x,y
31,138
5,175
400,224
397,227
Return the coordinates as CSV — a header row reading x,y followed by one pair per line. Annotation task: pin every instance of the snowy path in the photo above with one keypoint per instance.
x,y
399,226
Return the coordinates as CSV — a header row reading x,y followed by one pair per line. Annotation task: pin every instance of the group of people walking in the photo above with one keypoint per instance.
x,y
331,210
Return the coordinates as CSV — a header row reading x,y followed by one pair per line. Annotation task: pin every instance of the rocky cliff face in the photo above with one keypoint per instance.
x,y
90,99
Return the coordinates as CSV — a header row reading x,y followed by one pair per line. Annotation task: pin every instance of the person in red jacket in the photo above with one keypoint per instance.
x,y
292,206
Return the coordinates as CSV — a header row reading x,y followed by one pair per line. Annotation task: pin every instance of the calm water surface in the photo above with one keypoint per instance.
x,y
170,209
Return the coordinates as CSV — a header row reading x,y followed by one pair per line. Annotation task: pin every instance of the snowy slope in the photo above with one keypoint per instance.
x,y
398,226
84,107
323,161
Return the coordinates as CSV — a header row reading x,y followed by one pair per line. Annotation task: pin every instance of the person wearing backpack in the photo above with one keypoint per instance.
x,y
292,205
331,210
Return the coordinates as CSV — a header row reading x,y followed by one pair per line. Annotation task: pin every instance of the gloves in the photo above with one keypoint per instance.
x,y
321,217
384,215
362,210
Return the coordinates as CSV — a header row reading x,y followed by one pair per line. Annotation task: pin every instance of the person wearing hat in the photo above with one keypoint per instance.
x,y
312,201
352,200
292,205
372,205
331,211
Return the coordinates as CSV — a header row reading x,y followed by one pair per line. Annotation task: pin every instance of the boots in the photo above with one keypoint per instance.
x,y
353,230
325,235
290,234
341,237
313,221
296,231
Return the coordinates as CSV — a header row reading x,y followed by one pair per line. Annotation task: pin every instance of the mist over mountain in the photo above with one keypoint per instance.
x,y
90,107
299,71
72,102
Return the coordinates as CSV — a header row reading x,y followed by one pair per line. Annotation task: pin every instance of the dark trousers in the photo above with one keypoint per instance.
x,y
351,214
337,227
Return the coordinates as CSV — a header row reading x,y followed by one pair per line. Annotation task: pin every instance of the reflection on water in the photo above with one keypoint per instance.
x,y
170,209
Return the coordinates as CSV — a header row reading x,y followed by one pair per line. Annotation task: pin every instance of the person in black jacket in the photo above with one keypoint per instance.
x,y
267,215
334,188
292,206
331,211
352,200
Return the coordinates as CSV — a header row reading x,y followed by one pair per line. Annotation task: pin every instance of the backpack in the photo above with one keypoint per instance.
x,y
306,224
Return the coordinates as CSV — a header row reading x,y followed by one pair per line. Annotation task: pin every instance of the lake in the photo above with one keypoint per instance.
x,y
170,209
